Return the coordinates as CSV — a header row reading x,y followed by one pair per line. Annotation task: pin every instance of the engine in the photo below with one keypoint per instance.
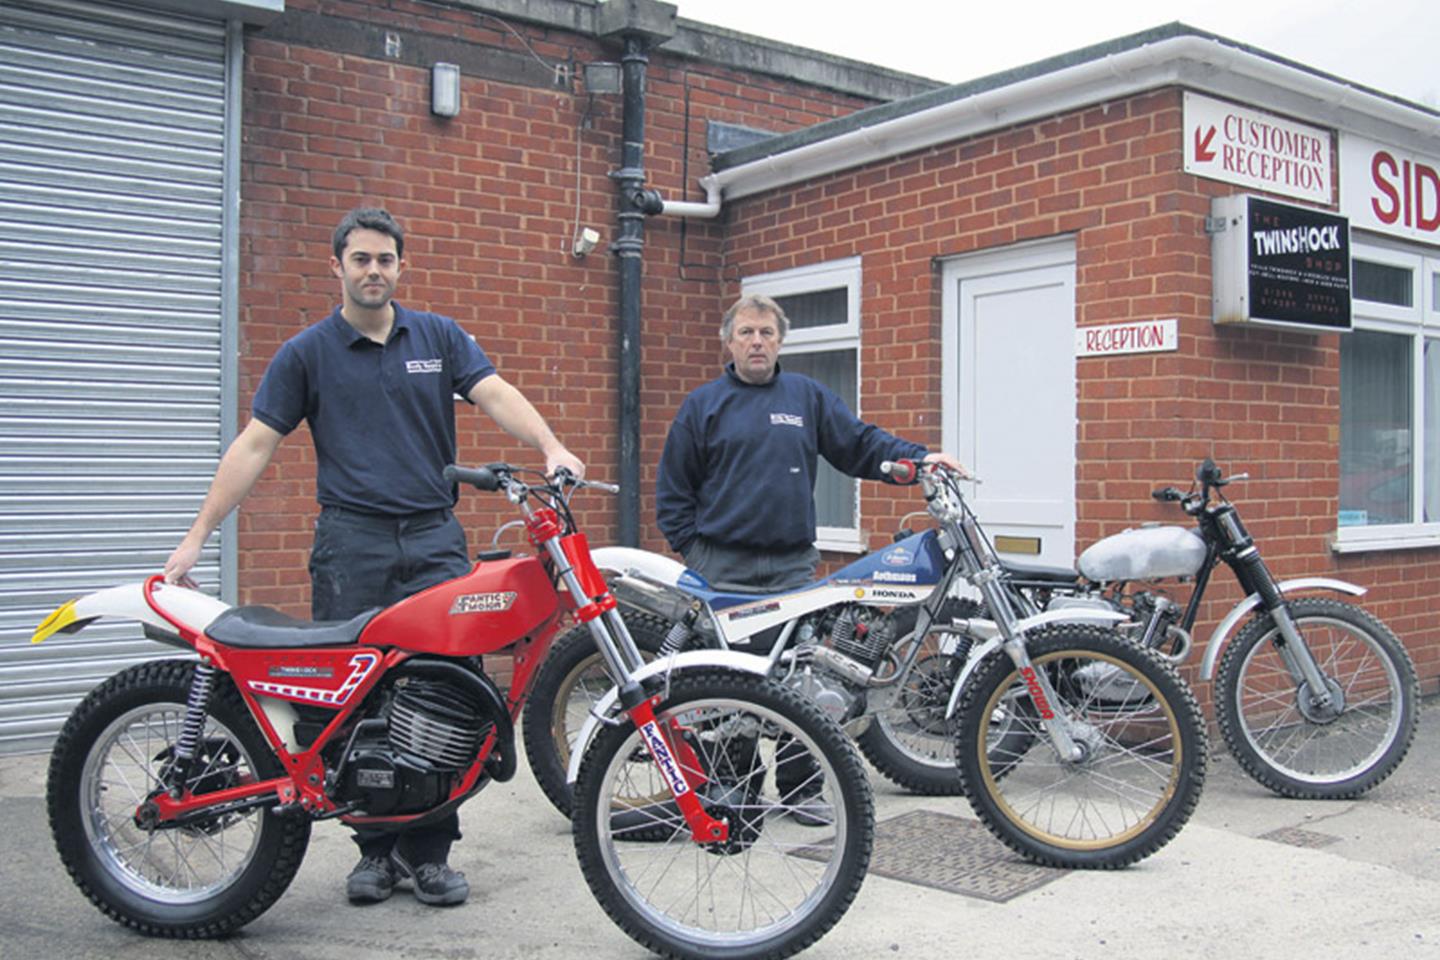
x,y
426,732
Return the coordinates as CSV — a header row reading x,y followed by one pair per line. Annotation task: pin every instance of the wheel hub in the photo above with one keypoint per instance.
x,y
1315,711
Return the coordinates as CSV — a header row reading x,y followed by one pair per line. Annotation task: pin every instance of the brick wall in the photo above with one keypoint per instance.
x,y
488,200
1260,401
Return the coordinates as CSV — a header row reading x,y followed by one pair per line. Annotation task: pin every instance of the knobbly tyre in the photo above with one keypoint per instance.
x,y
181,794
1316,697
1116,746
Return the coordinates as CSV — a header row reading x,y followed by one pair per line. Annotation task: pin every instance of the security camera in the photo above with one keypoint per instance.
x,y
585,241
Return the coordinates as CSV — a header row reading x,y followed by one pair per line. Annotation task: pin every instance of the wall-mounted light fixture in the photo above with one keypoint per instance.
x,y
586,240
602,77
445,89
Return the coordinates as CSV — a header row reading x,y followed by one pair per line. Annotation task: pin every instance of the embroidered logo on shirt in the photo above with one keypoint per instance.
x,y
787,420
424,366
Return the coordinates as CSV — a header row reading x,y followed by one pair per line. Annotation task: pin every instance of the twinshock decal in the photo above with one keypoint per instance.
x,y
664,759
361,666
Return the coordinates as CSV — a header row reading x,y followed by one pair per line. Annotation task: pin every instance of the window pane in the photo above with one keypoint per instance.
x,y
835,492
821,308
1375,429
1435,291
1382,283
1432,430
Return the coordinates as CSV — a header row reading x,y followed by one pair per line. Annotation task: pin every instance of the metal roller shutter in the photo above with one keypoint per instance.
x,y
112,202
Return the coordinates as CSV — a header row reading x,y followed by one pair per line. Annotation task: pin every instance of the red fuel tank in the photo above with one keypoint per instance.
x,y
493,605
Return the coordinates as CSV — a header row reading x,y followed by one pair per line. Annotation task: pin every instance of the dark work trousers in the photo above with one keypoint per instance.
x,y
364,560
745,570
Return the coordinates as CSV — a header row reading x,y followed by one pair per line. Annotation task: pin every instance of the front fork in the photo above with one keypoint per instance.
x,y
1037,683
1251,570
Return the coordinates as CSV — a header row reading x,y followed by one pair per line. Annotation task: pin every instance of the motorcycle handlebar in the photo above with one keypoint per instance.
x,y
482,478
903,472
1167,494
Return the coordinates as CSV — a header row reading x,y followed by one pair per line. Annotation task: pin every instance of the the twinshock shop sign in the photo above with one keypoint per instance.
x,y
1224,141
1280,264
1389,190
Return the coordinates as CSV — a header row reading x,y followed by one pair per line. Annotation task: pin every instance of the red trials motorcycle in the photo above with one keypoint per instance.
x,y
181,794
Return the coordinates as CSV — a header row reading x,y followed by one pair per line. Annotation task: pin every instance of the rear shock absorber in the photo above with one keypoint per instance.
x,y
680,632
196,708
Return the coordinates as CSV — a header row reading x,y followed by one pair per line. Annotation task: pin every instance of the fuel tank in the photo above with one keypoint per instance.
x,y
495,604
1147,553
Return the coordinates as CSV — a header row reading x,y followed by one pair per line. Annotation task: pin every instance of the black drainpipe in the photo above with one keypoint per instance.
x,y
629,247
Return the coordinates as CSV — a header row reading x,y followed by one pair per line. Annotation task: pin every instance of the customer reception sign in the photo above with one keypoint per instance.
x,y
1228,142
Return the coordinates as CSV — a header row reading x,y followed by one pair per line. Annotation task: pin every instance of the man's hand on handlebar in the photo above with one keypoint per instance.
x,y
945,460
563,459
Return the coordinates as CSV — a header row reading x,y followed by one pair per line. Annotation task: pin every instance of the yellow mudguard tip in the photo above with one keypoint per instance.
x,y
54,623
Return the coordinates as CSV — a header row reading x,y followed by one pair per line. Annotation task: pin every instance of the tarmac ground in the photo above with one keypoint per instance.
x,y
1251,875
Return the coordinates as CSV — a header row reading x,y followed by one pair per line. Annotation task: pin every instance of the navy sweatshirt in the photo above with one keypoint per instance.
x,y
740,460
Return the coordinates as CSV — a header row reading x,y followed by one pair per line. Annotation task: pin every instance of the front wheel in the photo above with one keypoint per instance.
x,y
207,878
778,772
1302,748
1141,747
570,682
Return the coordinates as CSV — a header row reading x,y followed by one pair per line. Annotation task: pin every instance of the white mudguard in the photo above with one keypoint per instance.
x,y
1221,637
627,559
988,632
688,660
194,609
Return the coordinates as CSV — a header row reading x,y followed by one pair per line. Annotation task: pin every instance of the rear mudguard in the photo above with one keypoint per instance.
x,y
681,662
988,633
192,608
625,559
1221,637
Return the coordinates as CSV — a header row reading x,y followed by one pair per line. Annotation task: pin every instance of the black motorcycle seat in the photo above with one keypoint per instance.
x,y
1033,572
268,628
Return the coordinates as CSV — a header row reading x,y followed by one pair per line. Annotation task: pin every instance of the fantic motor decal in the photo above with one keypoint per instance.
x,y
1037,695
663,758
482,603
360,666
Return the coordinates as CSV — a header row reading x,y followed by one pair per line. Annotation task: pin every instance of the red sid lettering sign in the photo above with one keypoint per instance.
x,y
1145,336
1390,190
1224,141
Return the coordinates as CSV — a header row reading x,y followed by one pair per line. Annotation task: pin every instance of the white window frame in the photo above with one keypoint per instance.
x,y
1419,322
831,337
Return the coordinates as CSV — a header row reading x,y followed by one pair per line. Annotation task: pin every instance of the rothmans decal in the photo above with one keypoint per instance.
x,y
893,576
482,603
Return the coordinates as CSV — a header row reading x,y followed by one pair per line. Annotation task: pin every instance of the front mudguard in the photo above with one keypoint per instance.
x,y
191,608
988,632
1220,638
678,663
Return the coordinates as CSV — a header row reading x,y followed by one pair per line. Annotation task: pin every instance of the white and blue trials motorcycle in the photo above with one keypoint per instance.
x,y
1076,747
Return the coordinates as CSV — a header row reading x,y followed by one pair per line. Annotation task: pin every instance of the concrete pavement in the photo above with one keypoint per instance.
x,y
1250,875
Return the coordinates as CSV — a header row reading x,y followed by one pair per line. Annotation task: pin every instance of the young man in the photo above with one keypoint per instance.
x,y
376,384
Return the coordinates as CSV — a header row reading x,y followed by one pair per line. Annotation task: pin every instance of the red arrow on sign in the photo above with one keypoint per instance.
x,y
1203,153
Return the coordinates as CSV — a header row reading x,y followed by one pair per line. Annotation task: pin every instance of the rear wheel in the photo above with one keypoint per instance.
x,y
1141,741
205,879
1300,748
570,682
795,856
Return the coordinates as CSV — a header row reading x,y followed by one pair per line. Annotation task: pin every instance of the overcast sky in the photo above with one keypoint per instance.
x,y
1392,46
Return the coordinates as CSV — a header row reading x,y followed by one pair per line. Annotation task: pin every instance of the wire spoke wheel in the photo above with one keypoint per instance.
x,y
1300,745
1138,731
792,792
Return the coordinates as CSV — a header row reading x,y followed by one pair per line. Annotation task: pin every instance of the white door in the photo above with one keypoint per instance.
x,y
1009,374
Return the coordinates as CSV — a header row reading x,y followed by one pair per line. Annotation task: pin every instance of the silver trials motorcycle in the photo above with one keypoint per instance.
x,y
1074,746
1316,698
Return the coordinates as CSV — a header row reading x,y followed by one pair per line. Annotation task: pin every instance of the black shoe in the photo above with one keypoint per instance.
x,y
808,808
372,880
435,883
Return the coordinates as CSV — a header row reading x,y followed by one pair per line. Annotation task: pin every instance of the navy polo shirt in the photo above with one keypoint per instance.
x,y
382,416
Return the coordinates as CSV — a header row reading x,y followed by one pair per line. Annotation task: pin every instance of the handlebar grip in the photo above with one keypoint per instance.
x,y
1167,494
901,471
482,479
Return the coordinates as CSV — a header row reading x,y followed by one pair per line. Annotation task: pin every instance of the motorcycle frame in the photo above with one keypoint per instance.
x,y
306,785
